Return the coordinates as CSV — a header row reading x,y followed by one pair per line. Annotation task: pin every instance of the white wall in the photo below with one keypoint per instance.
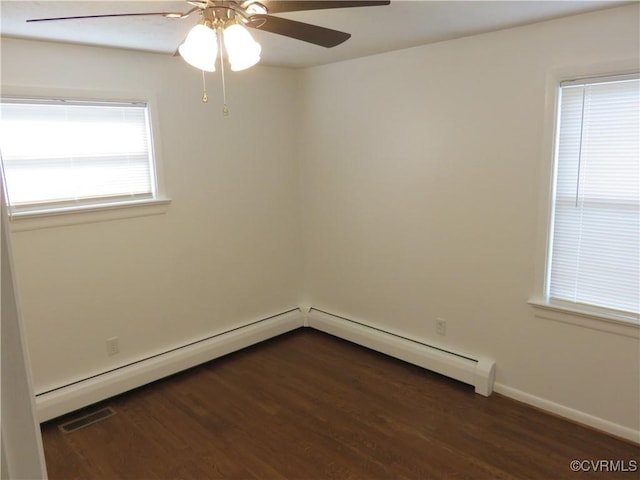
x,y
420,177
421,192
228,250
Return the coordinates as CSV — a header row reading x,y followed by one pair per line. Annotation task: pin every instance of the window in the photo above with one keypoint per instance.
x,y
68,155
594,255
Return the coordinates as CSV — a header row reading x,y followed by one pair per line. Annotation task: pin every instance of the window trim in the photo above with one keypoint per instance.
x,y
582,316
24,221
89,213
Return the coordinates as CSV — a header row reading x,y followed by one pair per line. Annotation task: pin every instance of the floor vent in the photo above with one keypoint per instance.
x,y
86,420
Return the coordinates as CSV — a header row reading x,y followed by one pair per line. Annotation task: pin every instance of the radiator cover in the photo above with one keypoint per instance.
x,y
469,369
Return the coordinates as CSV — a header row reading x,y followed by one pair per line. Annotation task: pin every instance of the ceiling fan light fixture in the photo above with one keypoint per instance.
x,y
200,48
221,28
243,51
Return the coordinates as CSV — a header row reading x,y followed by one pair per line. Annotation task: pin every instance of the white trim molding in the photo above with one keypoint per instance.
x,y
25,221
623,326
569,413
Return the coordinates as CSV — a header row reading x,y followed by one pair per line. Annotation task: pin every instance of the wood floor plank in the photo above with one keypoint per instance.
x,y
310,406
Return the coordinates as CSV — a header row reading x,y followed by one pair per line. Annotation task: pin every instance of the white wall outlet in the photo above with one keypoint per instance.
x,y
113,346
441,326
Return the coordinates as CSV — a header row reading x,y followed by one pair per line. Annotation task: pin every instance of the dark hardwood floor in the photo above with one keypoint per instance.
x,y
310,406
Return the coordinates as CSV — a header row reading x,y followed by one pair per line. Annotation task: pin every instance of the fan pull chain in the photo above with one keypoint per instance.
x,y
225,109
205,97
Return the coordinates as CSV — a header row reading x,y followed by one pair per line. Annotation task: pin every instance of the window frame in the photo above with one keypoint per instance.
x,y
108,210
596,318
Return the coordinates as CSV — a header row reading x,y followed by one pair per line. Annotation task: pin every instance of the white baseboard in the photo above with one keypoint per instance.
x,y
464,367
477,372
481,375
569,413
80,394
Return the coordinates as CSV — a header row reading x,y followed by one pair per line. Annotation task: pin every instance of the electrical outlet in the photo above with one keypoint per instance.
x,y
113,346
441,326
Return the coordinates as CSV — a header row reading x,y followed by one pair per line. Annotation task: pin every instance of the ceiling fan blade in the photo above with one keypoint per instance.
x,y
324,37
164,14
275,6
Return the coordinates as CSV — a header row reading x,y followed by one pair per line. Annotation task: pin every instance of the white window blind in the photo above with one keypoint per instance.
x,y
595,241
61,154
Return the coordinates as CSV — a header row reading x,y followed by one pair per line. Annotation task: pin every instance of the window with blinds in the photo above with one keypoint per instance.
x,y
594,256
64,154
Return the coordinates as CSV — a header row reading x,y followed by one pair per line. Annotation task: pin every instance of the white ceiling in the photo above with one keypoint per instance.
x,y
404,23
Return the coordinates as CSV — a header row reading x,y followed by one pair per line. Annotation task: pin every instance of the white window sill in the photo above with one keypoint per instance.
x,y
23,221
618,324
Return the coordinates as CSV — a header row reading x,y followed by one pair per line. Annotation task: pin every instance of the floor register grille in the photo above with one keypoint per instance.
x,y
86,420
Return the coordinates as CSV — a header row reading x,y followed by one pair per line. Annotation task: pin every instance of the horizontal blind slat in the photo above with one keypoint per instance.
x,y
58,152
595,250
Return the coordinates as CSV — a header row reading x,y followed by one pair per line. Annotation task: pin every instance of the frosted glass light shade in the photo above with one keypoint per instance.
x,y
200,48
243,51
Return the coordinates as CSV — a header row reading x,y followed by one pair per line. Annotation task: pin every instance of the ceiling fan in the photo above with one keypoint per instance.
x,y
223,22
258,14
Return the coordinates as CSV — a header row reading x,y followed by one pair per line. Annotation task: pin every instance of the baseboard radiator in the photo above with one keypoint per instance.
x,y
68,398
469,369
